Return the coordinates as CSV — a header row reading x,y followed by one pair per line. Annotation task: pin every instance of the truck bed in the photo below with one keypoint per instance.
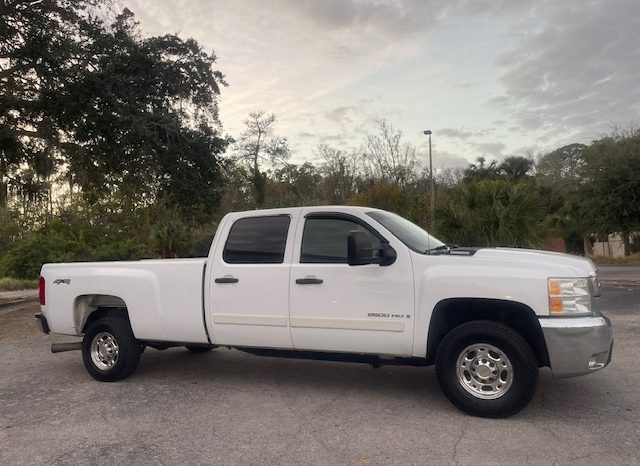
x,y
164,296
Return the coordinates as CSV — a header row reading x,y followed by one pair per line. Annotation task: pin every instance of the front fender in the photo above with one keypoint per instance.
x,y
441,282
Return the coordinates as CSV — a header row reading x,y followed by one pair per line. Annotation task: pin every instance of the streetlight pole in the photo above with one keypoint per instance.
x,y
428,133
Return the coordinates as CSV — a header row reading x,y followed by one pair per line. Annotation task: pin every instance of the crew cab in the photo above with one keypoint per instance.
x,y
347,284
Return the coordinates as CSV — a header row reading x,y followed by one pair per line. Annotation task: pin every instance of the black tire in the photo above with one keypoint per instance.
x,y
518,377
112,329
199,349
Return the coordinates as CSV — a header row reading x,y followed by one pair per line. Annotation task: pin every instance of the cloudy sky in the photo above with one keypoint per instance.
x,y
491,78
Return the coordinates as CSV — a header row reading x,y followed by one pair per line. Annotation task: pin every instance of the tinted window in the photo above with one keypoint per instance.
x,y
325,240
257,240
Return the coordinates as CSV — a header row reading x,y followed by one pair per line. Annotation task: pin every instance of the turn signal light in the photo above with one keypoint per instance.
x,y
555,305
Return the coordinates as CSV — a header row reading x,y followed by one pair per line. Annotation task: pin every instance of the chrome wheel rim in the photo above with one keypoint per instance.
x,y
485,371
104,351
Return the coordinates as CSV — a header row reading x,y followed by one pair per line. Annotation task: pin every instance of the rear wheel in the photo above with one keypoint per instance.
x,y
487,369
110,351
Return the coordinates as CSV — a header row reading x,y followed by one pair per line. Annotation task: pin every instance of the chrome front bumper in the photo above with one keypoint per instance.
x,y
577,345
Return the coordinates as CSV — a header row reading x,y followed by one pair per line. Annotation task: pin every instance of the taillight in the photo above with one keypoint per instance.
x,y
41,290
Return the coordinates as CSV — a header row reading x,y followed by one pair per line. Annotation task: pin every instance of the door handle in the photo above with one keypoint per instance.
x,y
309,281
227,279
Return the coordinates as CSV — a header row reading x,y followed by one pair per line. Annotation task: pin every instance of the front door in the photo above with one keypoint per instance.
x,y
354,309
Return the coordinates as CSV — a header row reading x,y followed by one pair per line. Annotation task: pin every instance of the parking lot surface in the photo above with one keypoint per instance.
x,y
227,407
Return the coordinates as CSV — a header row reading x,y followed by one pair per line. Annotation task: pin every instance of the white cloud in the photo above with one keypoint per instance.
x,y
494,76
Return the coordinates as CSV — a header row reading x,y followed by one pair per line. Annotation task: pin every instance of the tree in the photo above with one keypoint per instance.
x,y
386,157
481,170
492,213
516,168
121,113
610,192
256,146
340,172
558,176
562,167
388,196
295,185
42,50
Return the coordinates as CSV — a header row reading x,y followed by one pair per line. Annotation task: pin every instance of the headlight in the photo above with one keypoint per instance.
x,y
569,296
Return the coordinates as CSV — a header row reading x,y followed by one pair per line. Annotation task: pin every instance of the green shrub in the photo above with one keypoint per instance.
x,y
492,213
201,240
122,250
15,284
25,259
170,238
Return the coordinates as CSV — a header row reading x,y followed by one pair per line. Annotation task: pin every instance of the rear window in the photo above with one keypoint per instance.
x,y
257,240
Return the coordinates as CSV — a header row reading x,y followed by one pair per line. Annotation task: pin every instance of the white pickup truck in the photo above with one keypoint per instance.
x,y
345,284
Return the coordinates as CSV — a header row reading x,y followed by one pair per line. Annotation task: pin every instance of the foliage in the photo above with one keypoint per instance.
x,y
258,145
387,157
41,51
111,149
295,185
492,213
169,238
516,168
15,284
610,191
27,257
139,119
560,168
201,239
389,196
481,170
340,172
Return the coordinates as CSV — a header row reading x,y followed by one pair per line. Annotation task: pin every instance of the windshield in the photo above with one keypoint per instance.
x,y
407,232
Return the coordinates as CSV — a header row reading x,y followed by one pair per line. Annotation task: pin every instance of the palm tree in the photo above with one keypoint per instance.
x,y
516,168
492,213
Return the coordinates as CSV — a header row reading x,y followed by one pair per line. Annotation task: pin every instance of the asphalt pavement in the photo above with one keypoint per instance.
x,y
227,407
619,272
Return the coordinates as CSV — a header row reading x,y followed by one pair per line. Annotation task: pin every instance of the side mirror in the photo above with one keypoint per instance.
x,y
360,248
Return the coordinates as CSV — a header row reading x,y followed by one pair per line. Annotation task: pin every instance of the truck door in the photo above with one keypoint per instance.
x,y
249,285
355,309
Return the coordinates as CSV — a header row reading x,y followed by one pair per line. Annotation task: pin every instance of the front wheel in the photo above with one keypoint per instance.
x,y
487,369
110,351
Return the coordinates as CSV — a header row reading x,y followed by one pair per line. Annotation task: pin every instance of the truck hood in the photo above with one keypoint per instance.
x,y
580,266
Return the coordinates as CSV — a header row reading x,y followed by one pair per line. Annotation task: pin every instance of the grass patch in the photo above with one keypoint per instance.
x,y
15,284
633,259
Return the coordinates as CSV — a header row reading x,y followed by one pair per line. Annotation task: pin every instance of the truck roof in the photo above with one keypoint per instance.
x,y
320,208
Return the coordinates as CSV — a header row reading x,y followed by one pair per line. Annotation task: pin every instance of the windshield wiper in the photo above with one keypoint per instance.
x,y
443,248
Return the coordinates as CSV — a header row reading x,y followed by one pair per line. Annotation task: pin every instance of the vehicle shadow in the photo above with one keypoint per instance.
x,y
224,369
233,370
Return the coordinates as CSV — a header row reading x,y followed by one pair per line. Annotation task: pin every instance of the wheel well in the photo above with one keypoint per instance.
x,y
88,308
450,313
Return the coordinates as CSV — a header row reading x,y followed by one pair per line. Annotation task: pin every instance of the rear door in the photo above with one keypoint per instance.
x,y
355,309
249,285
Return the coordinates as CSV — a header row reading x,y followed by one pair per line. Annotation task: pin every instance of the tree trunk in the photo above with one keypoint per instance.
x,y
627,243
4,194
